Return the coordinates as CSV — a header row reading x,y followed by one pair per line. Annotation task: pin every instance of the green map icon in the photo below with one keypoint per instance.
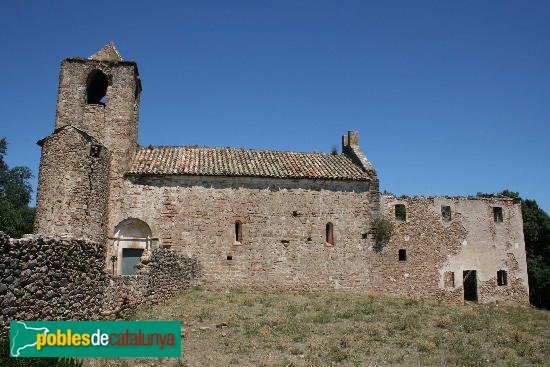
x,y
23,336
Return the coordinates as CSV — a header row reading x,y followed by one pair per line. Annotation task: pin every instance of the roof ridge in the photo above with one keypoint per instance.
x,y
237,148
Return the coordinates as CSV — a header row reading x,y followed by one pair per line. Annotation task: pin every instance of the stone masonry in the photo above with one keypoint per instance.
x,y
258,219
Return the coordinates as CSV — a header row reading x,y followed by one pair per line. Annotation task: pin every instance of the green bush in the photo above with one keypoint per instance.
x,y
381,229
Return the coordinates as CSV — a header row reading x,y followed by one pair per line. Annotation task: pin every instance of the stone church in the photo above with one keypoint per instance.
x,y
260,219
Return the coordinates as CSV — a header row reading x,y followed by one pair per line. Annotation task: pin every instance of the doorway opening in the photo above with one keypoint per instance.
x,y
469,279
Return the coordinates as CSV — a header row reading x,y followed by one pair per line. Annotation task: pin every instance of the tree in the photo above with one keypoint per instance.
x,y
16,218
536,231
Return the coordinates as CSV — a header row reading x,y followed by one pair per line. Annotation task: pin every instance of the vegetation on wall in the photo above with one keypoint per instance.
x,y
16,218
381,229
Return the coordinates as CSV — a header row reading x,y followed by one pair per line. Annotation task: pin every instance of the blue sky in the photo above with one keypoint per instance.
x,y
449,97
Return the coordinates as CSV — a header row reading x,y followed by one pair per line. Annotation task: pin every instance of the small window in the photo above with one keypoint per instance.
x,y
402,255
400,212
238,231
449,279
497,214
329,233
502,277
229,257
446,212
96,88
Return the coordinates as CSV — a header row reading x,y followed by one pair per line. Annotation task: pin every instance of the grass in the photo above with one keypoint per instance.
x,y
343,329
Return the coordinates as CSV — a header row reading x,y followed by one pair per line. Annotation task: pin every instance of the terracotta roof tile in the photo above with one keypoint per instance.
x,y
206,161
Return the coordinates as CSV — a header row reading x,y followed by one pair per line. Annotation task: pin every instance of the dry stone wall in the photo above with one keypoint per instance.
x,y
46,278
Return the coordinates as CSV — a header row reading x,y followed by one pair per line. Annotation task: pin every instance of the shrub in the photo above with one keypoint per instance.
x,y
381,229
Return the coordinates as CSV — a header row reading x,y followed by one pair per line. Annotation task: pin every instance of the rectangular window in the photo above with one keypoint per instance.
x,y
502,277
449,279
400,212
497,214
446,212
402,255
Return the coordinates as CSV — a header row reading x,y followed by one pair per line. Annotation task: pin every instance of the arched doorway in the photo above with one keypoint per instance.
x,y
132,236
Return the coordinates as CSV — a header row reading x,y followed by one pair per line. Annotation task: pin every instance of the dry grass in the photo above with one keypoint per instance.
x,y
342,329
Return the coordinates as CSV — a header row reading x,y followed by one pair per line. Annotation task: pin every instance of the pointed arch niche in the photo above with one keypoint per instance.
x,y
131,237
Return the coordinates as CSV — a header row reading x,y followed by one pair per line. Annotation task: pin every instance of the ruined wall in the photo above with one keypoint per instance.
x,y
47,278
470,240
72,186
283,236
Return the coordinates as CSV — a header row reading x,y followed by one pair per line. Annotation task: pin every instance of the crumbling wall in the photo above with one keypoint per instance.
x,y
471,239
46,278
163,273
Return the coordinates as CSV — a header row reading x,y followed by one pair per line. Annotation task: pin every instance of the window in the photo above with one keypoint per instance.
x,y
400,212
402,255
449,279
229,257
329,233
96,88
502,277
238,231
497,214
446,212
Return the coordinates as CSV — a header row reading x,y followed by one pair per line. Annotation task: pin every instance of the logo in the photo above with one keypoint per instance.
x,y
95,338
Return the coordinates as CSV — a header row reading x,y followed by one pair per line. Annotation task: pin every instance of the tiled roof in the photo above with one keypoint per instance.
x,y
205,161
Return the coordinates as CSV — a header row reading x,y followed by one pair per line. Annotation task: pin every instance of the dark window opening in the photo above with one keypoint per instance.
x,y
238,231
95,150
400,212
469,279
502,277
402,255
364,236
229,257
497,214
446,212
96,89
329,233
449,279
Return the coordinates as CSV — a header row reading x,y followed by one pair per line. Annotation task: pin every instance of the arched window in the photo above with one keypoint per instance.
x,y
329,233
96,88
238,231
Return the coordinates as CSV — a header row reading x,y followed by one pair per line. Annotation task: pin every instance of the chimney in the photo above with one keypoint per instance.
x,y
351,139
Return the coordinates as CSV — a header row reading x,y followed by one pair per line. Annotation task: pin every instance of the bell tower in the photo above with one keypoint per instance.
x,y
83,161
100,95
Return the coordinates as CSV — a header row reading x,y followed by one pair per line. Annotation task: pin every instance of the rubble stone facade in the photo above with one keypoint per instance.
x,y
260,219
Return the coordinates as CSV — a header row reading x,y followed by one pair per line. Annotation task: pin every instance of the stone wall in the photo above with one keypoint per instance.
x,y
73,186
283,242
283,228
470,240
63,279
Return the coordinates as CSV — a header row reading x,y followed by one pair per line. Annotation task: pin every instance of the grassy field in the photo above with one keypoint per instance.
x,y
342,329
